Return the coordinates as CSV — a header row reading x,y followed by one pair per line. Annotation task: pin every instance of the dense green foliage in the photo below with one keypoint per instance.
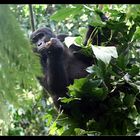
x,y
112,87
18,67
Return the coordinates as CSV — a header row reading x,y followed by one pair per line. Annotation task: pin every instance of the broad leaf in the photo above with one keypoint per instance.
x,y
65,13
79,131
76,87
73,40
129,100
99,93
134,70
69,41
78,41
96,21
122,61
105,53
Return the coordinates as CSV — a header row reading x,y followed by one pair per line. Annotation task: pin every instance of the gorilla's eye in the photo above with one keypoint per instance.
x,y
40,35
37,37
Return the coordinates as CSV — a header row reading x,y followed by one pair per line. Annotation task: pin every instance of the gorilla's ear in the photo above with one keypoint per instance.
x,y
62,37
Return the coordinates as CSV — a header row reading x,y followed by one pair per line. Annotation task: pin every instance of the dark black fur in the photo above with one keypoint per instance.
x,y
60,66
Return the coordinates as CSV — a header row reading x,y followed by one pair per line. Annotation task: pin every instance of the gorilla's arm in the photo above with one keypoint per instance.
x,y
56,76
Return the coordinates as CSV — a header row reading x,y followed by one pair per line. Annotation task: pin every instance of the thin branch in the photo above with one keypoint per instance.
x,y
31,17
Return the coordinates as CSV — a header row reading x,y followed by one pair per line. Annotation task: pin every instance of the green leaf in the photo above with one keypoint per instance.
x,y
96,21
100,93
67,100
79,40
95,82
122,61
129,100
98,71
77,86
47,117
134,70
137,34
133,11
79,131
53,129
105,53
68,132
91,85
82,31
133,112
66,12
131,32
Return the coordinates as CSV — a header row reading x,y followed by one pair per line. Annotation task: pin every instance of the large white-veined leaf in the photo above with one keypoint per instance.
x,y
105,53
70,40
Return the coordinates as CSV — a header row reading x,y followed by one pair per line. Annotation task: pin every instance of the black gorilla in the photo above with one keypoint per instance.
x,y
60,65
